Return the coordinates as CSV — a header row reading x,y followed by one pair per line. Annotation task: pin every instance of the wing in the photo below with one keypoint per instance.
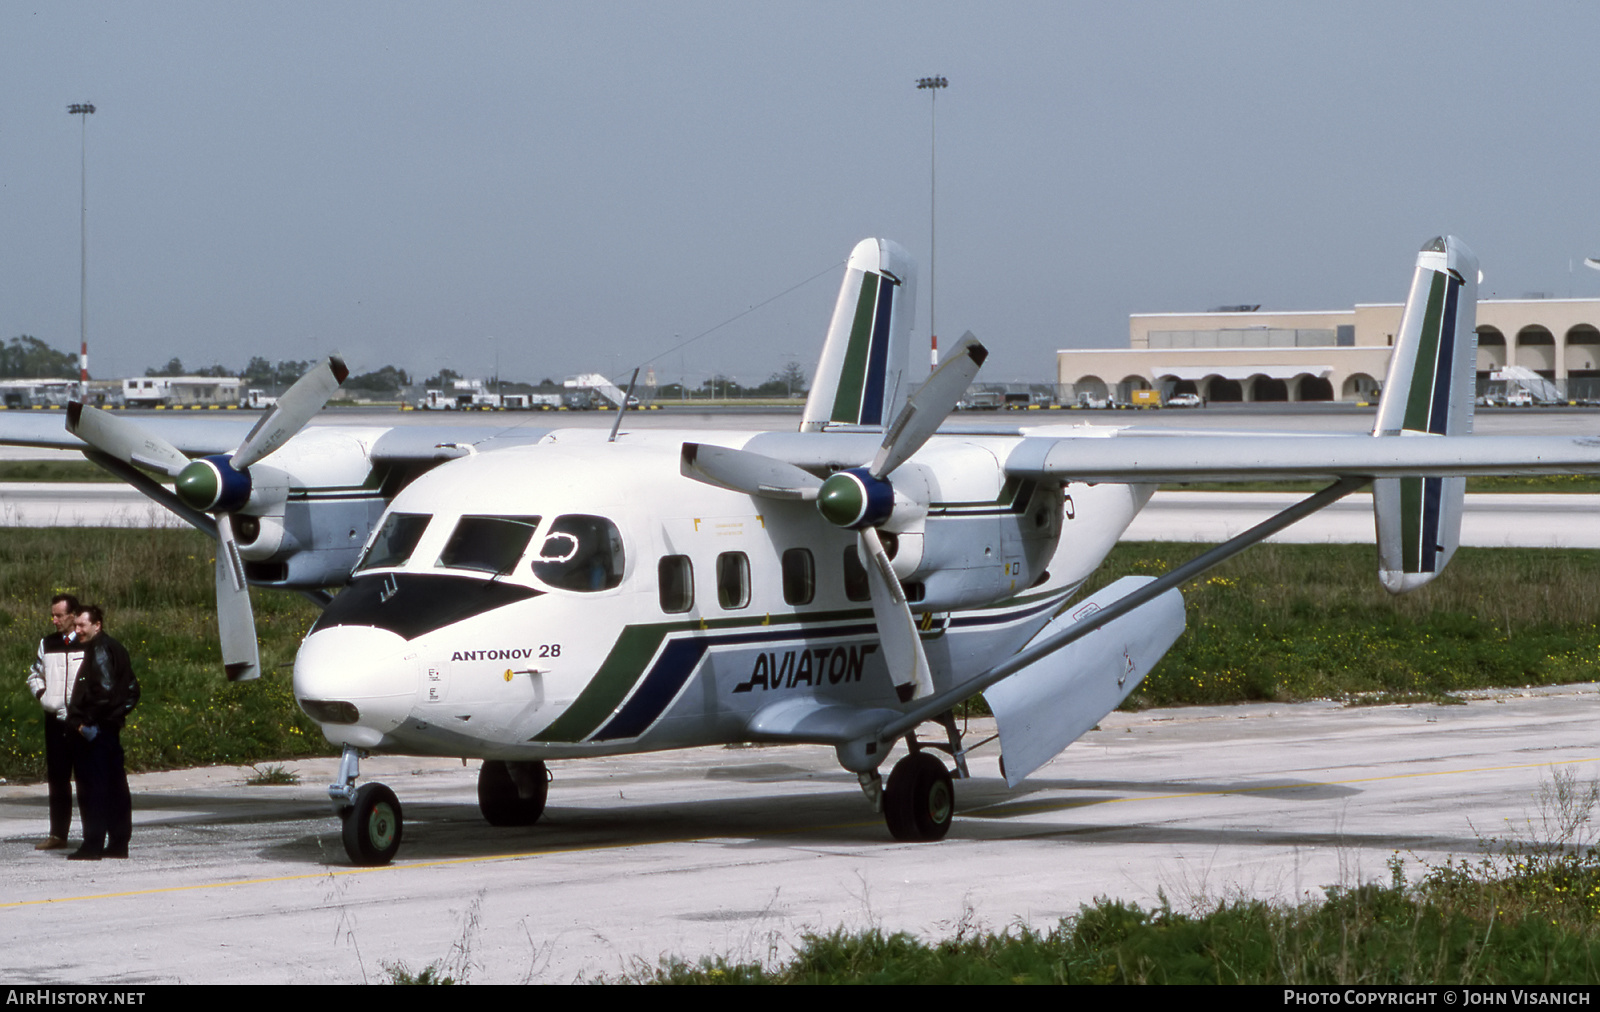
x,y
1197,458
195,436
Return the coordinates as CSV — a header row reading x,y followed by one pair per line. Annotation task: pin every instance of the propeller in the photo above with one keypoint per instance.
x,y
860,499
219,485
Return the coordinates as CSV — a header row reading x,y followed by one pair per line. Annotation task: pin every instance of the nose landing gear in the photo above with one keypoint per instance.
x,y
373,821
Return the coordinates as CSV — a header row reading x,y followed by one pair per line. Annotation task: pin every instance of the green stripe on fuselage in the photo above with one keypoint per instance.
x,y
853,375
1425,367
614,680
630,659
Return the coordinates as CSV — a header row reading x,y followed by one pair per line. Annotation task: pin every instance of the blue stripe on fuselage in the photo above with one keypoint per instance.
x,y
673,667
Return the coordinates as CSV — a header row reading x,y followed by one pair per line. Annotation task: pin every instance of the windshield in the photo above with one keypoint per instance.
x,y
487,544
395,541
580,552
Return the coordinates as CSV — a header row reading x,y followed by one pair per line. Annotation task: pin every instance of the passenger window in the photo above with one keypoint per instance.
x,y
487,544
799,576
675,574
855,576
733,580
395,541
580,552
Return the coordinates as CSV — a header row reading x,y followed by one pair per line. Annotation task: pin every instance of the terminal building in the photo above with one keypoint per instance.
x,y
1239,354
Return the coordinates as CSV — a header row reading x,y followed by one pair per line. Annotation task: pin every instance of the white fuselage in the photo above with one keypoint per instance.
x,y
579,597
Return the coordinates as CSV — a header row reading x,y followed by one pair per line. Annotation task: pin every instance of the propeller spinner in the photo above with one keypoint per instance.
x,y
219,485
860,499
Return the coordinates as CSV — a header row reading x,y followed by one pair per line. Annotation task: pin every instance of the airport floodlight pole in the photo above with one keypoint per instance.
x,y
84,110
932,85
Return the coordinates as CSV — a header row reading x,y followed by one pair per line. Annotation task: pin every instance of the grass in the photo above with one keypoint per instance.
x,y
1527,913
1372,935
1281,622
156,588
53,470
1293,622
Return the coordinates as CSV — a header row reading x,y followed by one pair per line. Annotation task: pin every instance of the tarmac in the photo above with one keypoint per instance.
x,y
741,852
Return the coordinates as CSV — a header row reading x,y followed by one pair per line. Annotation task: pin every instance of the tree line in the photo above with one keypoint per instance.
x,y
26,357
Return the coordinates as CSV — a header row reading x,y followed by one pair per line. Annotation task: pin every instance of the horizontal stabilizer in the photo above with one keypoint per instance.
x,y
1051,703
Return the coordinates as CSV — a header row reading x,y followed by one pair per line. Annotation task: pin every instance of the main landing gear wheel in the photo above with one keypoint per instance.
x,y
372,825
920,800
512,794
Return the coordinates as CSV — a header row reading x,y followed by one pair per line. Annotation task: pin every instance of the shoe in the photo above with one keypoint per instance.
x,y
51,843
85,854
120,852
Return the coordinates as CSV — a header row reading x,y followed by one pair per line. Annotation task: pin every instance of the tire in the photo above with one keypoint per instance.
x,y
499,799
919,802
372,826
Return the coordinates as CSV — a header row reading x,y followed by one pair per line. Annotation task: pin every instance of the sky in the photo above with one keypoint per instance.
x,y
553,188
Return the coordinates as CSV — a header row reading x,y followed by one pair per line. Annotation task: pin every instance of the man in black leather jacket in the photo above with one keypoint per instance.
x,y
102,696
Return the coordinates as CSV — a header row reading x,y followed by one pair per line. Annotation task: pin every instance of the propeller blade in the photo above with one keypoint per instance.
x,y
930,405
236,622
897,630
294,409
751,473
127,441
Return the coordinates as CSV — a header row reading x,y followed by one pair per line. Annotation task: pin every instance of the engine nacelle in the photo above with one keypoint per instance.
x,y
310,510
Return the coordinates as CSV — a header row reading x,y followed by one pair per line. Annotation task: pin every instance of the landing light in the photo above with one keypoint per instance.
x,y
330,711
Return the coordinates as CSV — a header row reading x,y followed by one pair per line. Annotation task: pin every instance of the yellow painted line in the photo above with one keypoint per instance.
x,y
589,848
331,872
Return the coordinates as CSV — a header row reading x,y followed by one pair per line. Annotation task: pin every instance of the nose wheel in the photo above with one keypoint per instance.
x,y
372,825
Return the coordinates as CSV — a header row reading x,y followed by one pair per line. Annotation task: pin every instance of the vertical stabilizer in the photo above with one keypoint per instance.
x,y
1429,392
861,378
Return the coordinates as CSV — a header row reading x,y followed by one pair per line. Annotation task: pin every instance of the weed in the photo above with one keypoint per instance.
x,y
399,972
272,775
457,966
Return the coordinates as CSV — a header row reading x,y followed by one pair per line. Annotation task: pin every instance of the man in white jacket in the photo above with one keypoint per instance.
x,y
51,679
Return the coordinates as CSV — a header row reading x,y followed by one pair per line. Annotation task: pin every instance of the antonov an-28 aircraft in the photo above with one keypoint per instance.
x,y
524,596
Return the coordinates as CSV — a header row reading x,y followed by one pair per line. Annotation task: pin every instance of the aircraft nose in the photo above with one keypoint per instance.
x,y
358,682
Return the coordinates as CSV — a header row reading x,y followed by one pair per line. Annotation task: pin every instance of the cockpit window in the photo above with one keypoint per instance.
x,y
396,541
487,544
580,552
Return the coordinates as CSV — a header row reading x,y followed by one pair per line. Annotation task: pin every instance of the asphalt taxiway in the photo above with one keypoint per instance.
x,y
740,852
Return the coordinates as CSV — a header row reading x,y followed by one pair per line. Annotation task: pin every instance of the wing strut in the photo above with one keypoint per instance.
x,y
932,706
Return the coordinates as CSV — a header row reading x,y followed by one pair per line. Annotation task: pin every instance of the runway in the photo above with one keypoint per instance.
x,y
740,852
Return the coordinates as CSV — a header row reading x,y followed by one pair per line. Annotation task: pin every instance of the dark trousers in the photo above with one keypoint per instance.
x,y
105,805
58,773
